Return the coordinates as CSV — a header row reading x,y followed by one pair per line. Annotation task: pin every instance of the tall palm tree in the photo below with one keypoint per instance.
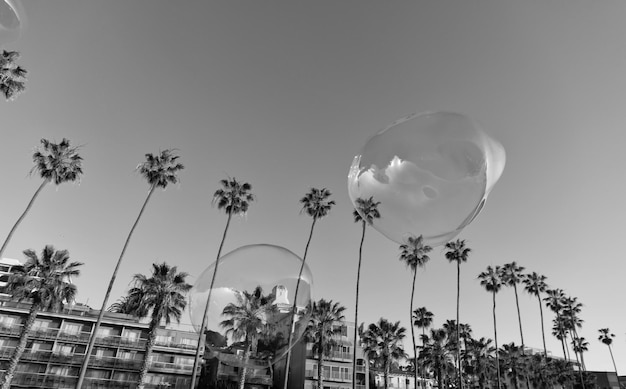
x,y
159,171
580,345
12,76
247,321
606,337
365,212
555,301
513,362
458,252
234,198
56,163
535,285
322,331
316,204
422,318
511,276
571,311
490,280
163,294
383,344
414,254
45,282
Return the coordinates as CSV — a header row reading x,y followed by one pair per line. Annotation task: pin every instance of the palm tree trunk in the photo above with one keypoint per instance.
x,y
94,332
495,336
148,353
293,308
612,359
543,333
458,338
17,223
356,309
320,367
201,339
21,346
423,364
386,374
411,323
244,368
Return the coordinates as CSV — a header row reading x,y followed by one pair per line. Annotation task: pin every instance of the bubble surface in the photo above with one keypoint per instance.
x,y
431,173
275,269
11,20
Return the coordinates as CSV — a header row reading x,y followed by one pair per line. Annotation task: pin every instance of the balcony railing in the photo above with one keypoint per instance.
x,y
31,380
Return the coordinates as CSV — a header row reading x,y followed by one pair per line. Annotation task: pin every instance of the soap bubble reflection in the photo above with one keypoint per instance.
x,y
273,268
12,20
431,173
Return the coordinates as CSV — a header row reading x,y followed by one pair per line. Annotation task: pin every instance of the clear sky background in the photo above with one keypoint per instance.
x,y
283,94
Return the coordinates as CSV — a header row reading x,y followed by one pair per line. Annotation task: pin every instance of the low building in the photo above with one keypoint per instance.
x,y
58,341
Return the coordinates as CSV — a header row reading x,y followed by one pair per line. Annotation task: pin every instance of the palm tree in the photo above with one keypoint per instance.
x,y
435,354
383,344
606,337
159,171
365,212
12,76
422,318
316,204
163,295
513,361
580,345
322,331
535,284
45,281
511,276
490,280
234,198
414,253
555,301
247,321
457,252
55,162
480,353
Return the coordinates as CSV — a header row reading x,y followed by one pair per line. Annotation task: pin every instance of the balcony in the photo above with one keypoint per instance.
x,y
168,367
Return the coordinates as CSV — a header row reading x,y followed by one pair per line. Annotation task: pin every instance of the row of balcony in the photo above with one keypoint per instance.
x,y
101,362
83,338
30,380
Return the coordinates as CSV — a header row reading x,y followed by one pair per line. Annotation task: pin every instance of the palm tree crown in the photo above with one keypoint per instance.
x,y
12,76
46,280
161,170
366,210
414,252
606,336
534,283
422,317
457,252
316,204
490,279
57,162
234,197
163,293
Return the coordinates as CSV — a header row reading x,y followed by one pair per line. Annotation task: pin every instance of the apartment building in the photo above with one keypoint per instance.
x,y
58,341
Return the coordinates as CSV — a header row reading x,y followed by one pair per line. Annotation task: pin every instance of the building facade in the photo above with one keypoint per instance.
x,y
58,341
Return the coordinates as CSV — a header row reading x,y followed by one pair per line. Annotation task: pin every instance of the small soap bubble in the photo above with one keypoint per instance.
x,y
272,268
431,173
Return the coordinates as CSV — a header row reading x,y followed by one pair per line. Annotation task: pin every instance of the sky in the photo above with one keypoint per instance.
x,y
283,95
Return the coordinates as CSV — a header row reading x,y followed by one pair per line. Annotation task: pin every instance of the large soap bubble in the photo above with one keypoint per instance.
x,y
12,20
431,173
273,268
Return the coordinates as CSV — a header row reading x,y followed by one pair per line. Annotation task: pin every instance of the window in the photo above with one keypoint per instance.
x,y
63,349
59,370
189,342
9,321
71,328
163,339
5,268
127,354
103,374
41,325
104,332
131,334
